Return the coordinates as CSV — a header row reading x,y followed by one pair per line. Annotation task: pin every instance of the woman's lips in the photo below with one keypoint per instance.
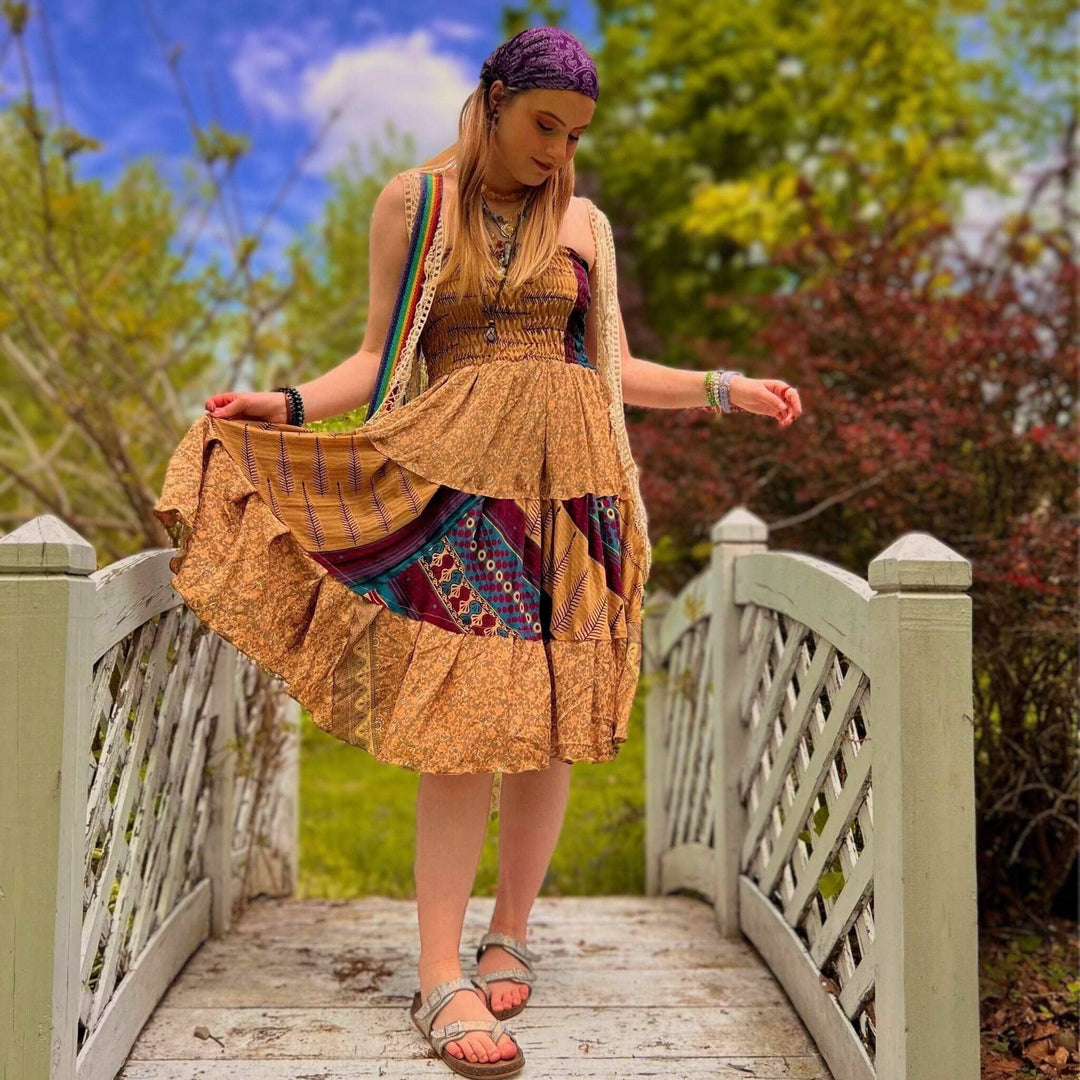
x,y
541,165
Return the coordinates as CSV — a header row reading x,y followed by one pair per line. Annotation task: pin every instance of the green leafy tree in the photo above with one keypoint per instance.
x,y
713,113
116,321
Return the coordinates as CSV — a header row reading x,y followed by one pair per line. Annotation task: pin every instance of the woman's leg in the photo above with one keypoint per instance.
x,y
531,809
451,821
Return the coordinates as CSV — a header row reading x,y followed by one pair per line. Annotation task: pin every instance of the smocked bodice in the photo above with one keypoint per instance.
x,y
525,416
543,318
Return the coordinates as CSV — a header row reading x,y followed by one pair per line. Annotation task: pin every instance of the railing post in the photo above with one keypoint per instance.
x,y
737,533
657,603
47,610
925,897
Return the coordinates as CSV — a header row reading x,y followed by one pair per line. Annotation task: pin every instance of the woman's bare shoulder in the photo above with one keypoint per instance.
x,y
577,229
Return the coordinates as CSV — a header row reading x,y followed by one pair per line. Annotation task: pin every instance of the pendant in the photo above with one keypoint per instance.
x,y
489,333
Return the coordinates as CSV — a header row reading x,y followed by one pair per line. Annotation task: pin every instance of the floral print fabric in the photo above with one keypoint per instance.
x,y
457,585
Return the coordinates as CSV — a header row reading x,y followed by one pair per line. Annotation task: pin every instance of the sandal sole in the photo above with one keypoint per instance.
x,y
474,1069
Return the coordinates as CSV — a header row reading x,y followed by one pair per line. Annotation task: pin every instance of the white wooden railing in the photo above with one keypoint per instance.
x,y
148,787
810,773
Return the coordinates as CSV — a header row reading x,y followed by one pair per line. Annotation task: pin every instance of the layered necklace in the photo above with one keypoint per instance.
x,y
505,245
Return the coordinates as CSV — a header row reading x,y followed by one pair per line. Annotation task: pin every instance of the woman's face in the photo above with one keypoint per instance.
x,y
538,128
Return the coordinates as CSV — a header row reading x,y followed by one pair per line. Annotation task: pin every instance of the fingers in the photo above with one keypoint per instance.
x,y
788,406
224,405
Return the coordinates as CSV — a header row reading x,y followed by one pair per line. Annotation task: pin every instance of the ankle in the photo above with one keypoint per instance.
x,y
514,927
437,970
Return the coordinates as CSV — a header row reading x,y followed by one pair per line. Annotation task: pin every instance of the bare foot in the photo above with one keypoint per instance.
x,y
466,1005
505,994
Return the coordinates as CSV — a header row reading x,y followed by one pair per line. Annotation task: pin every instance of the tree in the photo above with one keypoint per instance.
x,y
710,113
112,336
939,389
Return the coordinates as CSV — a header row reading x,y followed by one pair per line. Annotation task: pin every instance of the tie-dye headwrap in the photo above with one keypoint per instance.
x,y
543,56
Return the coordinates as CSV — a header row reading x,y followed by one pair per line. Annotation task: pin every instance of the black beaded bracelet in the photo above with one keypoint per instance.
x,y
294,405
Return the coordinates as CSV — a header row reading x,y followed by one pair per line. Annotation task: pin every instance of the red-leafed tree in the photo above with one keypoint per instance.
x,y
938,388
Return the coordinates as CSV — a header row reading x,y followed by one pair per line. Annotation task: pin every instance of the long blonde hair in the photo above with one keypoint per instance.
x,y
538,235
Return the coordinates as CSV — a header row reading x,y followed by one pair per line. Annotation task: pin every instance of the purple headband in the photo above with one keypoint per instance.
x,y
543,57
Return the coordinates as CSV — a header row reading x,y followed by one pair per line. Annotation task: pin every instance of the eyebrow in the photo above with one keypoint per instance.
x,y
548,112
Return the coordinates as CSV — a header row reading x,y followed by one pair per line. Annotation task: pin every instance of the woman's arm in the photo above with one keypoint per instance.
x,y
352,382
657,386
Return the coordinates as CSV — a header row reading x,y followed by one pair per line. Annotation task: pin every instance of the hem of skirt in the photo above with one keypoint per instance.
x,y
581,755
316,632
588,752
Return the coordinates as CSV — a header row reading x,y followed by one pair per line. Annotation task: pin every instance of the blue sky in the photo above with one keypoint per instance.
x,y
271,69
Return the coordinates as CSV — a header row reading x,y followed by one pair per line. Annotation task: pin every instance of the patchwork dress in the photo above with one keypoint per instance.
x,y
457,585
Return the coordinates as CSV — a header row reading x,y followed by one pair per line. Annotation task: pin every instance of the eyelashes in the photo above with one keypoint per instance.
x,y
573,138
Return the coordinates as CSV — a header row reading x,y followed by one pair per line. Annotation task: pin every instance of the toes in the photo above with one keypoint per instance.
x,y
483,1048
509,998
455,1049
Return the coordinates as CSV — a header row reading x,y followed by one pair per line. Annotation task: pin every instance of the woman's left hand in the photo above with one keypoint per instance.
x,y
770,397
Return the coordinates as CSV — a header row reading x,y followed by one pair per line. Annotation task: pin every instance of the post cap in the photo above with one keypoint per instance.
x,y
740,526
921,562
46,545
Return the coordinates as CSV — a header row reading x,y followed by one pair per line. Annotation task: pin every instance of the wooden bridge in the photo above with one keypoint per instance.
x,y
811,901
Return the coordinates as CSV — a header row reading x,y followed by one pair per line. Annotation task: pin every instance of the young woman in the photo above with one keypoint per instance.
x,y
457,586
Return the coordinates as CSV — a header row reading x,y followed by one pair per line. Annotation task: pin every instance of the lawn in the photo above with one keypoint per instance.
x,y
358,816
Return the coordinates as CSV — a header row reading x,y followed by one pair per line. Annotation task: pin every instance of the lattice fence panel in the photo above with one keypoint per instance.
x,y
806,786
263,852
148,797
688,739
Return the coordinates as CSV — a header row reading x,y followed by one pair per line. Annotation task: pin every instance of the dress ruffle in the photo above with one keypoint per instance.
x,y
459,702
532,428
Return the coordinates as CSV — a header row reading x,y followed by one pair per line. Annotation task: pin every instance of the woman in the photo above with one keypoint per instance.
x,y
456,586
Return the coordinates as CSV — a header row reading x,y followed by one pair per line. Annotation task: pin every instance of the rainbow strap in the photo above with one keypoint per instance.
x,y
412,284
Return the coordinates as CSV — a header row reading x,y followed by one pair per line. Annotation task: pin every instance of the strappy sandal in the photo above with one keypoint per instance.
x,y
526,975
423,1012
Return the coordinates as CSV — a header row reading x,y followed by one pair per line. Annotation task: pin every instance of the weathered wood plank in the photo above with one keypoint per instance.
x,y
322,988
553,1031
789,1067
264,914
278,973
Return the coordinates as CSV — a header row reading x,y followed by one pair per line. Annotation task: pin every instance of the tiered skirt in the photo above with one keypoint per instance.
x,y
455,587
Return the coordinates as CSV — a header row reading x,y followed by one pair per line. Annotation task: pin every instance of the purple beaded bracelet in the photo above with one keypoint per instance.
x,y
720,397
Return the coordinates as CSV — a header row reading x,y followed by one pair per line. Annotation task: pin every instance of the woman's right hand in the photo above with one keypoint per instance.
x,y
267,405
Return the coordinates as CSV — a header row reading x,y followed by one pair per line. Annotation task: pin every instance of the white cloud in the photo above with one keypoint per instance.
x,y
459,31
270,64
300,76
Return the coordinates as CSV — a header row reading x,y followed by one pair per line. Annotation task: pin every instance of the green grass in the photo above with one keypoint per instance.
x,y
358,821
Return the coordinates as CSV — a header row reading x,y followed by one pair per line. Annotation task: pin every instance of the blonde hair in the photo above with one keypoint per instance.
x,y
537,237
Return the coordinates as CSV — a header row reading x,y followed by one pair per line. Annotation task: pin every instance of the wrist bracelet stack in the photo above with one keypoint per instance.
x,y
718,394
294,405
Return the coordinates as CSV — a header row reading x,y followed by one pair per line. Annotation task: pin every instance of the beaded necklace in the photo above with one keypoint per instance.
x,y
505,255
